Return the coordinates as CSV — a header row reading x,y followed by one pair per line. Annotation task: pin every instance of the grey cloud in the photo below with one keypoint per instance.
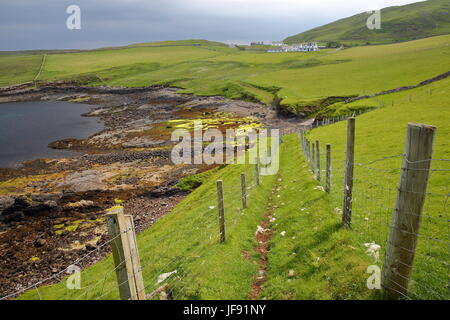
x,y
40,24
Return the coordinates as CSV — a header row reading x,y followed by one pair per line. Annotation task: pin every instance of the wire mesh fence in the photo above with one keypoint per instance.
x,y
374,197
170,259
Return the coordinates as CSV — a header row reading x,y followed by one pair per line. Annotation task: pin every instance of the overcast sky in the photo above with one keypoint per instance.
x,y
41,24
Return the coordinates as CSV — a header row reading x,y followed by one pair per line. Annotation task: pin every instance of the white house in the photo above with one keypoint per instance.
x,y
302,47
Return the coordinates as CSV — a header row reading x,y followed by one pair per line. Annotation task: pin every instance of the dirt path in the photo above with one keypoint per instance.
x,y
263,236
41,68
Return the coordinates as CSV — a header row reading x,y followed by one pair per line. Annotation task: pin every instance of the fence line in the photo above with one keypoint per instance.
x,y
159,256
372,205
373,199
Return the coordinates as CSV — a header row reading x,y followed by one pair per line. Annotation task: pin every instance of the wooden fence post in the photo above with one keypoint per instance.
x,y
348,179
307,150
118,231
328,174
407,213
221,210
135,259
244,191
302,141
313,157
258,182
318,160
303,144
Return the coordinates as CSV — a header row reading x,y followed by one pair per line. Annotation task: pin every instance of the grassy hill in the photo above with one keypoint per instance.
x,y
380,134
302,80
186,240
310,256
399,23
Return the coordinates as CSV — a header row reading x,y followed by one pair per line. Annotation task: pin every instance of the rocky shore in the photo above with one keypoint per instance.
x,y
52,210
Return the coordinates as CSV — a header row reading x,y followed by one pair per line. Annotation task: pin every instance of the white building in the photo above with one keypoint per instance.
x,y
302,47
277,43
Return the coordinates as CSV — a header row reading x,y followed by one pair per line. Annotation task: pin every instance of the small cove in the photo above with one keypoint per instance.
x,y
26,129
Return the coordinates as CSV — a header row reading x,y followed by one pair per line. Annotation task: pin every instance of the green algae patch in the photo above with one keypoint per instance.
x,y
114,208
34,259
220,121
28,184
76,225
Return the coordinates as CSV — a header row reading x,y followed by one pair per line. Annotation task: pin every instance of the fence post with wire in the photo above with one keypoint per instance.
x,y
349,167
328,170
389,218
125,255
244,191
318,160
258,182
407,215
221,210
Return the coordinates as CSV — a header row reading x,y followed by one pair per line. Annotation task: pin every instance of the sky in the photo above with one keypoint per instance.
x,y
41,24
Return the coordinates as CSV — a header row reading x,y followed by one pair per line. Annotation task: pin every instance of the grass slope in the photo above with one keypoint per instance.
x,y
300,79
366,70
18,68
186,240
399,23
381,133
321,254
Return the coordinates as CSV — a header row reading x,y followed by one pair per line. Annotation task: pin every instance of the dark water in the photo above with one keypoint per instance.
x,y
26,129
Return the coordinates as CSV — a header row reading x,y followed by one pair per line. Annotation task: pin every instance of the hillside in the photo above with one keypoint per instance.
x,y
304,81
306,255
310,256
399,23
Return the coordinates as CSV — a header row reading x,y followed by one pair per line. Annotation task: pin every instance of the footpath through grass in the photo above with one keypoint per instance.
x,y
326,264
311,256
187,241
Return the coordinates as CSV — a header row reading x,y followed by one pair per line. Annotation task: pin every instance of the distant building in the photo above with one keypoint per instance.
x,y
277,43
260,43
302,47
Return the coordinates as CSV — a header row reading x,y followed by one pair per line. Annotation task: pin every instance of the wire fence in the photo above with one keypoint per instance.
x,y
173,258
170,259
375,194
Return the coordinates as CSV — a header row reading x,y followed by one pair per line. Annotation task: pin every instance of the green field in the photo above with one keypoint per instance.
x,y
18,68
381,134
315,258
187,240
311,256
300,79
399,23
